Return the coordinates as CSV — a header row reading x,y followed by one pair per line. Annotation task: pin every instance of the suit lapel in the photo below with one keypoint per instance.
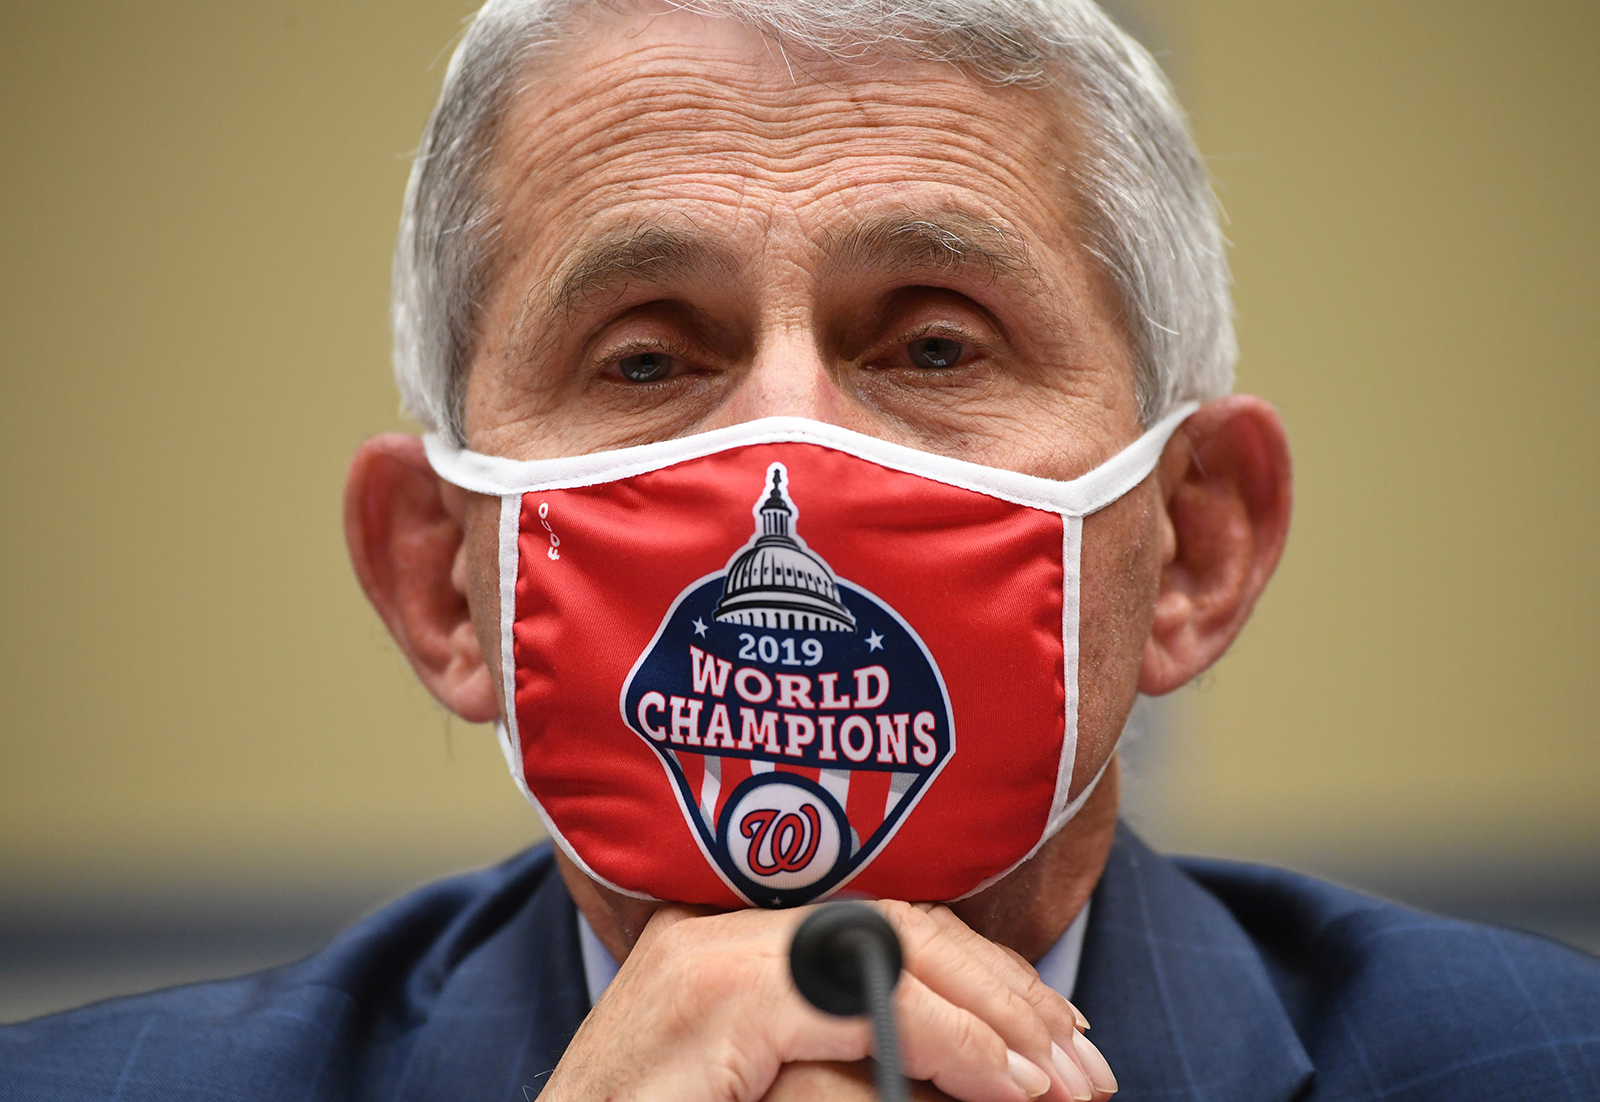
x,y
505,993
1179,999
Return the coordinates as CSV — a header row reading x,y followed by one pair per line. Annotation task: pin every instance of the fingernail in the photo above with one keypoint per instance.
x,y
1094,1064
1077,1016
1077,1083
1027,1075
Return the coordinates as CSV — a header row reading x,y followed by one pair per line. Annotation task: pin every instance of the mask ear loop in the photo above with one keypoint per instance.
x,y
506,728
497,476
1117,478
1114,480
1071,578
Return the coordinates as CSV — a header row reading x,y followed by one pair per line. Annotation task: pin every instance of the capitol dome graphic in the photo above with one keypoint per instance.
x,y
777,582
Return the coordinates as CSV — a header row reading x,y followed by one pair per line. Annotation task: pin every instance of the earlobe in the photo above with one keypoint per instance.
x,y
1226,485
403,526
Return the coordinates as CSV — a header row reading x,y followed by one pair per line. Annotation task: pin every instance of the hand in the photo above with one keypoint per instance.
x,y
818,1082
704,1008
1080,1071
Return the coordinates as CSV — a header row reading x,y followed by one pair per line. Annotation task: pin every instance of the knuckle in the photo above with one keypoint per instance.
x,y
735,1071
723,978
897,911
1049,1004
698,981
658,944
1015,1015
916,929
1038,992
687,998
1031,1034
969,1034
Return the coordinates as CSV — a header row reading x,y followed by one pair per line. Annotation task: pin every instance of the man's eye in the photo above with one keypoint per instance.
x,y
646,367
934,352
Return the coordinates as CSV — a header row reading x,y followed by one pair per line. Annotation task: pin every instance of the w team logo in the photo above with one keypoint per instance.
x,y
800,718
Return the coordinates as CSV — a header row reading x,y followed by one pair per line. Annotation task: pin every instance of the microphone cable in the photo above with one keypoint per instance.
x,y
846,961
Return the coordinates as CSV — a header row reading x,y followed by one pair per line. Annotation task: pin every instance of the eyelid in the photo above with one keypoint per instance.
x,y
667,325
613,354
945,329
974,346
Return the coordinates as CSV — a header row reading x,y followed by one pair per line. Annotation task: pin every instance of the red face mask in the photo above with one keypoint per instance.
x,y
764,663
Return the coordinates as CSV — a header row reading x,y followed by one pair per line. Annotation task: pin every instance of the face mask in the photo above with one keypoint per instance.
x,y
769,662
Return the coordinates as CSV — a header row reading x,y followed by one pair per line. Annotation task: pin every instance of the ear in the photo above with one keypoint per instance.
x,y
403,525
1226,484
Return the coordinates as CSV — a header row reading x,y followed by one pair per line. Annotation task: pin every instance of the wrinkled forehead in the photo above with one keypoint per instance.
x,y
707,121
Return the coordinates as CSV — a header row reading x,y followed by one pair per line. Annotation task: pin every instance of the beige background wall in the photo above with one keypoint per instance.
x,y
1413,199
198,210
196,207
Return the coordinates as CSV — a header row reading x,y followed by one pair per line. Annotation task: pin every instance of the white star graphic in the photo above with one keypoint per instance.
x,y
699,627
874,642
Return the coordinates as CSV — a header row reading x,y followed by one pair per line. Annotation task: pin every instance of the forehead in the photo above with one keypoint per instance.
x,y
641,115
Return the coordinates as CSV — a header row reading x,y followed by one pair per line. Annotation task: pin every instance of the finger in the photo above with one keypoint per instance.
x,y
965,969
940,1042
1074,1082
712,1005
1025,968
809,1082
726,976
1095,1066
958,1051
1082,1071
1061,1016
813,1079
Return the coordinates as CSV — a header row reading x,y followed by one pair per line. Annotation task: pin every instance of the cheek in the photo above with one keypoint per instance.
x,y
1121,576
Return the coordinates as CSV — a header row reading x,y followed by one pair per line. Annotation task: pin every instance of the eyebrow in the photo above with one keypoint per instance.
x,y
945,242
644,254
948,242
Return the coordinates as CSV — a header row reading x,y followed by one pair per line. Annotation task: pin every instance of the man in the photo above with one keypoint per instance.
x,y
975,233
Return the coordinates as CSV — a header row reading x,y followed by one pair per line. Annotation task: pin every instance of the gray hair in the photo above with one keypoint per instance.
x,y
1150,219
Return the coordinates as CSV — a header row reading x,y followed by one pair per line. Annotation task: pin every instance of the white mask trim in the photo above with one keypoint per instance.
x,y
1071,577
550,827
1072,500
1057,820
489,474
510,523
506,729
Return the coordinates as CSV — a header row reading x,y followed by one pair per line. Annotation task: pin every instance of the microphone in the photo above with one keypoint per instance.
x,y
845,959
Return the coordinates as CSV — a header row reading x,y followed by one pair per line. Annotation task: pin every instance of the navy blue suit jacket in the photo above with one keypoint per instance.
x,y
1204,980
